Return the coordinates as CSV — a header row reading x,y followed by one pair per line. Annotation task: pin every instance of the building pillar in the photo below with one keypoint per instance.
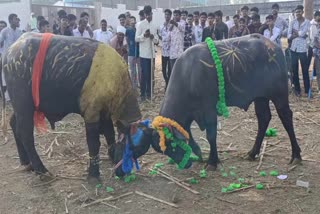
x,y
97,12
308,9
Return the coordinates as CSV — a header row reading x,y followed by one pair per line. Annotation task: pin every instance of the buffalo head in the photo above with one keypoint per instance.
x,y
133,142
178,152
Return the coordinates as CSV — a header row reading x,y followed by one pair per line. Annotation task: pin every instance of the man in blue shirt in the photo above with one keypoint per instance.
x,y
133,53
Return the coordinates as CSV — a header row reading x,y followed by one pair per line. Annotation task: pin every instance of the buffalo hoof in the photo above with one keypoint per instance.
x,y
295,161
27,168
93,180
46,177
249,157
211,167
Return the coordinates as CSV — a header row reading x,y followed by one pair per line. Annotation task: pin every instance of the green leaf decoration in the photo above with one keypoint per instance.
x,y
221,105
109,189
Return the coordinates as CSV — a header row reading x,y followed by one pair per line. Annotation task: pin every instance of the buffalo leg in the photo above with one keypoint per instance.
x,y
285,115
263,114
24,132
92,132
109,134
195,147
24,159
211,130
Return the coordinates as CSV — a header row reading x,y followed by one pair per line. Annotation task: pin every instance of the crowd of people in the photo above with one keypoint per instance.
x,y
136,41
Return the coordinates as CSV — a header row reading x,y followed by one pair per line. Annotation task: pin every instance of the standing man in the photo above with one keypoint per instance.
x,y
81,30
198,29
297,33
44,26
122,20
63,28
239,29
196,16
119,43
165,50
85,16
254,11
72,21
244,13
189,33
102,34
184,15
141,15
209,31
272,32
229,22
8,36
147,36
221,29
278,21
39,19
176,36
34,25
128,18
133,54
255,25
314,30
60,14
3,25
315,44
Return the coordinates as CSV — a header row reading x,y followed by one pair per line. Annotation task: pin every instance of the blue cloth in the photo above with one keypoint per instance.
x,y
133,46
127,159
146,123
137,137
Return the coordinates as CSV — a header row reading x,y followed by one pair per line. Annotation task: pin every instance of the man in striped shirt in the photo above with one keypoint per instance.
x,y
297,33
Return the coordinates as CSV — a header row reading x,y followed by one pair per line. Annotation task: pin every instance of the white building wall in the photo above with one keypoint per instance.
x,y
111,15
22,9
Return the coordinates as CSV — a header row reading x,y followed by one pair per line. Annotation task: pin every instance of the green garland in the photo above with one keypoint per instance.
x,y
221,105
177,142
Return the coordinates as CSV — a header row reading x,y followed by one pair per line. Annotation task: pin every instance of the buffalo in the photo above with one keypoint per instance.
x,y
254,72
79,76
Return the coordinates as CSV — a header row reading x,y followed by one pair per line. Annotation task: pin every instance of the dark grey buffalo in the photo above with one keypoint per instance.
x,y
254,71
79,76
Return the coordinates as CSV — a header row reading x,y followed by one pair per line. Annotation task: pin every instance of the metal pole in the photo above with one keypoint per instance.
x,y
152,72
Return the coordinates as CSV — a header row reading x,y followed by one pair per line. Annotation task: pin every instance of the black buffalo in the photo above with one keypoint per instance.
x,y
254,71
79,76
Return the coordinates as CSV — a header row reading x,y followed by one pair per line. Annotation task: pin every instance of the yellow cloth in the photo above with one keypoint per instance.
x,y
107,85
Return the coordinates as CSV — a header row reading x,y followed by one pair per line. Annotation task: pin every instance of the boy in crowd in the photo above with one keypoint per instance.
x,y
165,50
209,31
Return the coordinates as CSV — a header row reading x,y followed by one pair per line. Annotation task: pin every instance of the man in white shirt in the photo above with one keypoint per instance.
x,y
278,21
314,25
272,32
8,36
198,29
102,34
81,30
229,22
147,36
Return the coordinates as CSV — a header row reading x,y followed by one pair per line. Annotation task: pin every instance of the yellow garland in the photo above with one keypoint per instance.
x,y
158,122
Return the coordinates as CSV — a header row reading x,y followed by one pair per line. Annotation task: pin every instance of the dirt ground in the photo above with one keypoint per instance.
x,y
64,152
